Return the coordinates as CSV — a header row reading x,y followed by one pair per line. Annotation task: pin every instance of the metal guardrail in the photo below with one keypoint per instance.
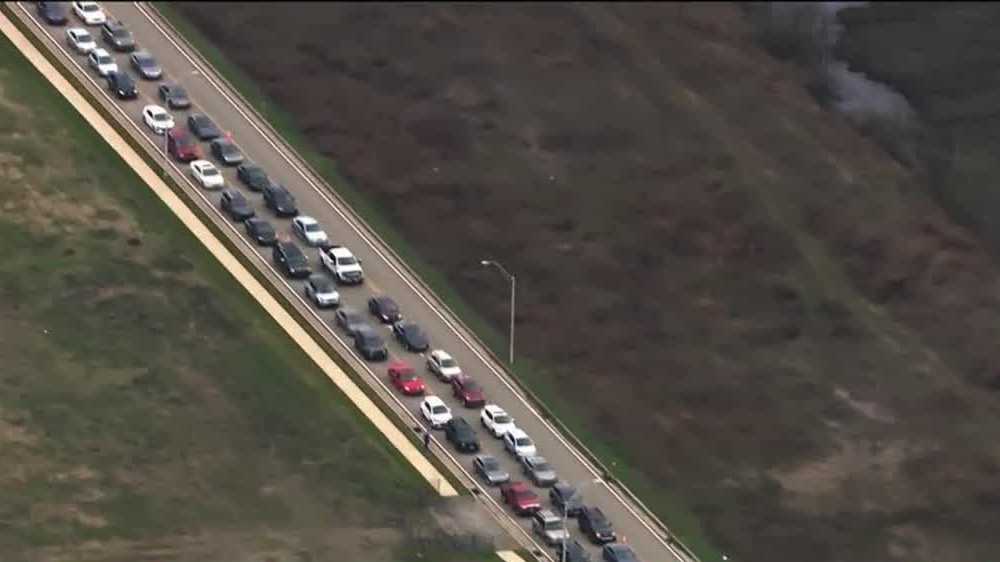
x,y
499,364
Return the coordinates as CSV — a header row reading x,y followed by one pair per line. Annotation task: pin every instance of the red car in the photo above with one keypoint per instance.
x,y
520,497
405,379
468,391
182,146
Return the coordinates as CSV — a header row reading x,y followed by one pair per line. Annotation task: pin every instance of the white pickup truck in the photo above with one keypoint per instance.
x,y
342,264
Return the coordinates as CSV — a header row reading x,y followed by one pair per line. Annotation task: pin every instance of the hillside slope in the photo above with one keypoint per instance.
x,y
756,307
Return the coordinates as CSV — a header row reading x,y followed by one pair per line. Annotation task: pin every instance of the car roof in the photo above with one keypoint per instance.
x,y
442,354
494,409
547,514
536,459
399,364
516,432
99,51
340,252
519,486
202,164
305,219
434,401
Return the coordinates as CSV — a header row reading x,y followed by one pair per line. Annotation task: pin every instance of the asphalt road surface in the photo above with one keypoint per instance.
x,y
384,273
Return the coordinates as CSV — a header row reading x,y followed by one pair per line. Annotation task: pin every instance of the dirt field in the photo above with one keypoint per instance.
x,y
808,338
149,410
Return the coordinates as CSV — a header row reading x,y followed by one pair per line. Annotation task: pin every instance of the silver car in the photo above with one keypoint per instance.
x,y
147,67
539,471
489,469
549,527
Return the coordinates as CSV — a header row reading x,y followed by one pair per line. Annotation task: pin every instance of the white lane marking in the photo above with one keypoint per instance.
x,y
483,492
373,247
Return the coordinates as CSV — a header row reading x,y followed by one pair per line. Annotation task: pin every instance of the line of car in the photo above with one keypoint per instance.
x,y
345,269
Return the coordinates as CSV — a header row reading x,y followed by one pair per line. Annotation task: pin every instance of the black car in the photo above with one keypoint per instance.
x,y
146,65
596,526
261,231
461,434
120,39
253,176
202,127
236,205
566,499
122,85
618,553
385,309
411,336
279,200
369,344
290,258
174,96
226,152
54,13
574,551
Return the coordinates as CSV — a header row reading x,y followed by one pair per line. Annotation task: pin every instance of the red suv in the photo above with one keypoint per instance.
x,y
520,497
468,391
182,146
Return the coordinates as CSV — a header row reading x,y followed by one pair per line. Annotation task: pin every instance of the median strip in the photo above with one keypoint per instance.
x,y
187,217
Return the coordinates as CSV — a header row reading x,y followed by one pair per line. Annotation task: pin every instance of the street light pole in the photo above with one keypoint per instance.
x,y
513,295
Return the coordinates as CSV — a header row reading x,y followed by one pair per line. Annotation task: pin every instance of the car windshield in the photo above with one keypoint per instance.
x,y
522,442
322,284
161,117
91,8
120,33
263,227
408,376
253,172
346,261
448,363
237,199
543,467
470,386
145,60
553,525
104,59
491,464
313,228
83,36
501,418
177,92
370,339
438,409
209,172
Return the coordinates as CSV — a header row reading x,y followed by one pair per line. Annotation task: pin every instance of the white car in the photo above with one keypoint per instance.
x,y
157,119
443,365
496,420
342,264
207,174
308,229
80,40
517,443
90,12
435,412
102,61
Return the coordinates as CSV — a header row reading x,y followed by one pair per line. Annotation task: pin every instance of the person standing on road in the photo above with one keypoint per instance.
x,y
427,440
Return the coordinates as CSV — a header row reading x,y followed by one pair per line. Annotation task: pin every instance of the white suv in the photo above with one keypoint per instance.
x,y
309,230
342,264
435,412
497,421
517,443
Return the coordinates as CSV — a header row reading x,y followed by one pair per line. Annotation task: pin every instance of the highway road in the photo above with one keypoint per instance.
x,y
385,274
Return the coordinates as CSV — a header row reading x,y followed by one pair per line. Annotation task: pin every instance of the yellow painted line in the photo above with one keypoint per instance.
x,y
509,556
229,261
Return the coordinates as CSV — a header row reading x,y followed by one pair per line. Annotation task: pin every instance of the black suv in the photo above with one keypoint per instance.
x,y
461,434
385,309
566,499
120,39
174,96
290,258
54,13
369,344
122,85
279,200
596,526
